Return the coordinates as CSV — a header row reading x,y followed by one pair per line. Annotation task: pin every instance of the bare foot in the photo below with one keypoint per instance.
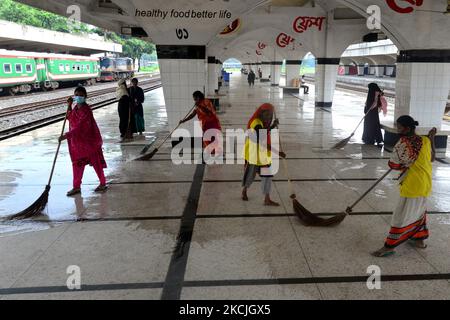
x,y
244,196
383,252
420,244
271,203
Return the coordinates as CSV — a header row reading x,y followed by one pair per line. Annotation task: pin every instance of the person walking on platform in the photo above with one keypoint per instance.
x,y
206,114
127,124
137,98
413,156
372,126
304,86
258,152
85,141
251,78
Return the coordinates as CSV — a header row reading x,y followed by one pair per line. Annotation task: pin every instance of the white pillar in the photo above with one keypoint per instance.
x,y
325,81
379,71
183,71
275,72
265,68
361,68
292,71
422,85
212,75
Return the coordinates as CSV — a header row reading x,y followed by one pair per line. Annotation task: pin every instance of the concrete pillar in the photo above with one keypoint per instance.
x,y
183,71
218,74
361,68
212,76
292,71
346,70
275,72
265,68
379,71
422,87
390,71
325,81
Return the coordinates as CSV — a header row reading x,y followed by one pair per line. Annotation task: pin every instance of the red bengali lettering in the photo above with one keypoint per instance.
x,y
397,8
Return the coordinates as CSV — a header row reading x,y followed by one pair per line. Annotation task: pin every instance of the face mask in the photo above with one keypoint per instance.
x,y
79,100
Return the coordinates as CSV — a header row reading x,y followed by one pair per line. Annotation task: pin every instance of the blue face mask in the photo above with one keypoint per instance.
x,y
79,100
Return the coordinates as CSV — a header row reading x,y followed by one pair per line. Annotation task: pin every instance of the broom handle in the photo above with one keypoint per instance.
x,y
57,149
349,209
353,133
171,132
286,168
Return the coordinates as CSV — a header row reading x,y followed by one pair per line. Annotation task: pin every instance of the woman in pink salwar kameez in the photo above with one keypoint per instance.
x,y
85,142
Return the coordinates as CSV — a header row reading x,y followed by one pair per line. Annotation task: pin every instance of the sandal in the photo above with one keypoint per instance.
x,y
101,188
383,253
73,192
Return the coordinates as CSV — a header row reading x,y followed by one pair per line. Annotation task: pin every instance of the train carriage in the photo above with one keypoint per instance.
x,y
24,71
18,72
69,69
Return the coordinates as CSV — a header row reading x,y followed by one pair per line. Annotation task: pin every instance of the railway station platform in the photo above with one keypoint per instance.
x,y
125,242
14,36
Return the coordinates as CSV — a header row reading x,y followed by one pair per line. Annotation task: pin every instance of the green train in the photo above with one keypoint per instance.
x,y
21,72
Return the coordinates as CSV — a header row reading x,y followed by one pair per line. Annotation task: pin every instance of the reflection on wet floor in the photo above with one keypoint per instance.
x,y
130,231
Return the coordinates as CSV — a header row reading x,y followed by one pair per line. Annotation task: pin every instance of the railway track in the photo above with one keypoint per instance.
x,y
28,107
33,125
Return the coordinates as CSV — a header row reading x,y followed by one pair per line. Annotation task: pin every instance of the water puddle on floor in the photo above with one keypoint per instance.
x,y
12,228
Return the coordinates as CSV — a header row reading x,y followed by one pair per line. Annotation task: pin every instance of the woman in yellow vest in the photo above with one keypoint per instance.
x,y
413,156
258,152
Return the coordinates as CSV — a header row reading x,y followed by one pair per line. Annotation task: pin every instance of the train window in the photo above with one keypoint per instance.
x,y
7,68
88,67
74,67
61,67
18,68
78,67
67,68
28,67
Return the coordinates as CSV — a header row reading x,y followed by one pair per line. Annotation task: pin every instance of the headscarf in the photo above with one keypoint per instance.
x,y
371,95
121,89
258,115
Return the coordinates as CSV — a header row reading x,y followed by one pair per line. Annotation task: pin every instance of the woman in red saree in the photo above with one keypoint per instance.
x,y
85,142
206,114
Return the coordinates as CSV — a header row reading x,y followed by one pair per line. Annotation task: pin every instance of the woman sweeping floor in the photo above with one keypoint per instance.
x,y
206,114
372,126
413,156
258,152
85,142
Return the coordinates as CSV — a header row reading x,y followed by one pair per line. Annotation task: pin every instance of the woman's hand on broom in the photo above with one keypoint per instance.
x,y
62,138
69,103
282,154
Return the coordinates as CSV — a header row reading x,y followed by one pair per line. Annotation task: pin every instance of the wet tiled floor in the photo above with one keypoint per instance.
x,y
126,244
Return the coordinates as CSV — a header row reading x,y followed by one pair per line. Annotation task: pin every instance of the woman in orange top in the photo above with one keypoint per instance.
x,y
206,114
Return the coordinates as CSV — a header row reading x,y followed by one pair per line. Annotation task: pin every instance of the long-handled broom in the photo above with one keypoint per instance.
x,y
341,144
306,217
151,154
39,205
349,209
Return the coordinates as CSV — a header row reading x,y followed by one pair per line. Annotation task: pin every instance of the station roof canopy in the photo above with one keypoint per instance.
x,y
324,27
